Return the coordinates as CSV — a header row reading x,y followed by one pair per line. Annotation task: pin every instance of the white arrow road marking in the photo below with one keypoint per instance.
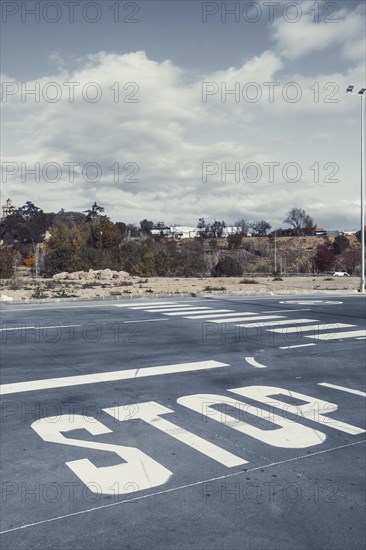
x,y
112,376
342,388
254,363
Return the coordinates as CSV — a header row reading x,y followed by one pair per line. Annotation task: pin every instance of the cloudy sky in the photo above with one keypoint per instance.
x,y
177,110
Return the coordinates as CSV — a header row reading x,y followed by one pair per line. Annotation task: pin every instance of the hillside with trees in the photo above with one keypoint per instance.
x,y
35,242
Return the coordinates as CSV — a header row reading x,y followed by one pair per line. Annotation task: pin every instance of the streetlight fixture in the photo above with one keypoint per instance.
x,y
361,94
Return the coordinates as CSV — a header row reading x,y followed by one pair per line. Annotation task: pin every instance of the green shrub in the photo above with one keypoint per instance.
x,y
234,241
38,293
7,257
227,267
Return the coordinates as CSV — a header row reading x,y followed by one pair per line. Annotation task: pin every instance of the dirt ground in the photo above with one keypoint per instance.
x,y
39,289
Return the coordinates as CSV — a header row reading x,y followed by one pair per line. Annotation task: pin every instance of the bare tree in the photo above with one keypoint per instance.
x,y
260,228
202,226
217,228
243,225
300,220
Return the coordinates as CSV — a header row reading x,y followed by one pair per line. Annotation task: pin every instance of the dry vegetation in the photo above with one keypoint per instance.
x,y
24,289
196,258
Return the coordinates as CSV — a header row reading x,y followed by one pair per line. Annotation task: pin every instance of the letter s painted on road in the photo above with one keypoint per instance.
x,y
138,468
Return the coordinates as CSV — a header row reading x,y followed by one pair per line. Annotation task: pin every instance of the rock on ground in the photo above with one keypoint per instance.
x,y
91,275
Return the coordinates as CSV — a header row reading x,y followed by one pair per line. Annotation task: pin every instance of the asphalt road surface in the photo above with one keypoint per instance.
x,y
223,423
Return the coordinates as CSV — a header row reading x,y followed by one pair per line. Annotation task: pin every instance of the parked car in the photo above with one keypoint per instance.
x,y
341,274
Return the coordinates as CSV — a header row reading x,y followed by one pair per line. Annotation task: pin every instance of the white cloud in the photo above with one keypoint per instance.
x,y
343,28
170,132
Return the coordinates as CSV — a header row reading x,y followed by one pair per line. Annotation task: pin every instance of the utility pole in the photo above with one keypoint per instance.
x,y
275,251
37,259
361,95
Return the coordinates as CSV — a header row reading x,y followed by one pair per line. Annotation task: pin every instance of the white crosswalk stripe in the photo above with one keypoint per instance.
x,y
274,323
174,308
212,313
230,313
190,312
138,304
158,306
338,335
328,326
246,318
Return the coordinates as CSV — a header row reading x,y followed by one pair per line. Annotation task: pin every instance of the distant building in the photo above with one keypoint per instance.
x,y
183,232
230,230
161,229
8,209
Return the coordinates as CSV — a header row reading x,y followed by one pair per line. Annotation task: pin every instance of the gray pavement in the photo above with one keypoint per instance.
x,y
201,423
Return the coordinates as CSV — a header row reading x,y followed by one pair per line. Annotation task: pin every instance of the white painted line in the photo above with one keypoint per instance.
x,y
162,306
57,305
171,490
168,310
190,312
338,335
275,323
140,304
213,313
40,327
328,326
254,363
297,346
285,310
145,320
311,302
236,319
66,381
342,388
361,338
230,313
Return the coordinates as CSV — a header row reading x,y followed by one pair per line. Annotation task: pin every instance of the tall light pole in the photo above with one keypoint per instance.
x,y
361,94
275,251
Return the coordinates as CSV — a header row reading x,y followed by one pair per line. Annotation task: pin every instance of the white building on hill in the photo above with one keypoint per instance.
x,y
8,209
